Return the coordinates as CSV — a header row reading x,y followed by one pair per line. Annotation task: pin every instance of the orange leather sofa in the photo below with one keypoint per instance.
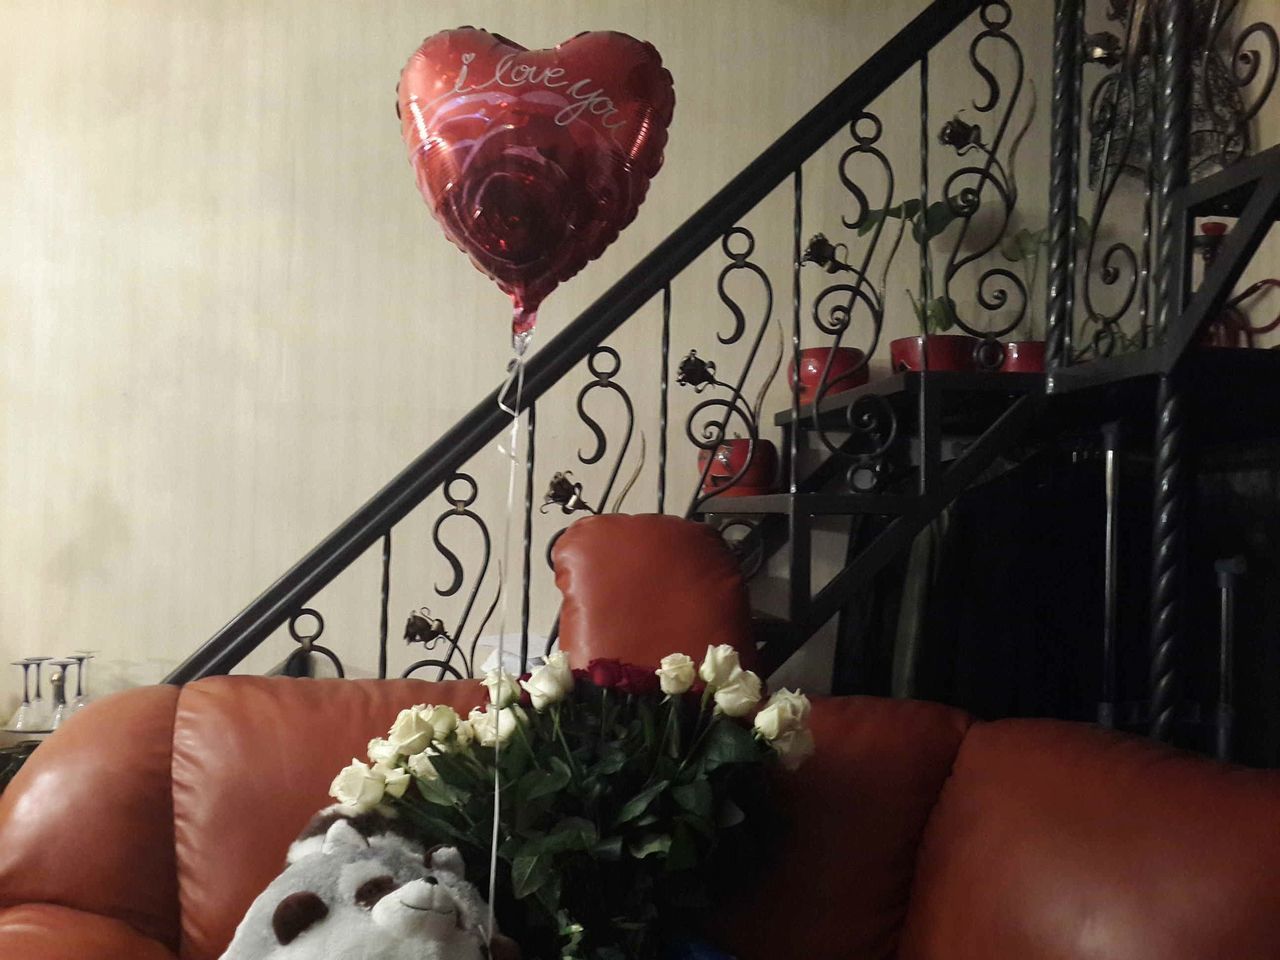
x,y
144,828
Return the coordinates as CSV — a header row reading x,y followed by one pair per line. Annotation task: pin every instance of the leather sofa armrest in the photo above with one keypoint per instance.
x,y
43,931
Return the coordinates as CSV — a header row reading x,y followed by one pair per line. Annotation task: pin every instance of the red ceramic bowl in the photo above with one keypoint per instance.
x,y
1023,356
946,352
848,370
730,457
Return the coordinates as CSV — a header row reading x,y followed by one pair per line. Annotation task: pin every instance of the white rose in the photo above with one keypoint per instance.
x,y
785,712
503,690
675,673
719,665
420,765
493,726
463,734
794,747
358,786
443,720
550,683
395,780
412,731
738,696
381,751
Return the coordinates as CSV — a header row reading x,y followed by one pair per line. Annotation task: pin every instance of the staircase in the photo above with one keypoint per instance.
x,y
899,448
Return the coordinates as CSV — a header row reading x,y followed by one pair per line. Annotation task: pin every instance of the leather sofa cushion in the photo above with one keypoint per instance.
x,y
42,931
87,822
840,886
639,587
1056,841
253,758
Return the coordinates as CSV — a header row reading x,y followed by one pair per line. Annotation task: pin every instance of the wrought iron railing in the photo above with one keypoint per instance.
x,y
284,602
960,237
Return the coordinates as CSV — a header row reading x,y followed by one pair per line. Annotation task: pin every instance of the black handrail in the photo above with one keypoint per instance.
x,y
469,435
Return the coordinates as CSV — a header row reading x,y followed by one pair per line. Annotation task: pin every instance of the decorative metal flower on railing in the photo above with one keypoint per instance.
x,y
565,493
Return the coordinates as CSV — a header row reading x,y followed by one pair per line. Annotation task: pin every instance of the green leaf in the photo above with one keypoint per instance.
x,y
548,894
938,217
694,797
648,844
640,802
1011,248
683,854
727,742
612,759
571,833
541,783
730,815
441,793
940,314
610,849
528,874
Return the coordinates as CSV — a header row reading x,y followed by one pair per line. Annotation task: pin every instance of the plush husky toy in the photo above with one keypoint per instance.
x,y
354,889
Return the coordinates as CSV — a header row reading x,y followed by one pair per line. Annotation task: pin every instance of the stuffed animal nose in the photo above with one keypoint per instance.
x,y
425,894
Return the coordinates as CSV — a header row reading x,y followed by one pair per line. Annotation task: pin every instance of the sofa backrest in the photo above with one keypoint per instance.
x,y
1057,841
170,809
637,588
839,887
88,821
253,758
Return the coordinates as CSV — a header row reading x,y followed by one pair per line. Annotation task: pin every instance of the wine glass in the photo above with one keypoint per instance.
x,y
82,657
39,709
58,685
79,699
21,719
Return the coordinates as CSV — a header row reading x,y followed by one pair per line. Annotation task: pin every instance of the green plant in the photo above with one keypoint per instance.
x,y
1027,248
937,314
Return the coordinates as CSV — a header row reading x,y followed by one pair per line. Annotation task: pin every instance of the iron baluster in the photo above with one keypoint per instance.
x,y
1110,572
1172,105
1064,176
993,284
1229,574
872,421
386,600
797,261
531,433
712,434
663,406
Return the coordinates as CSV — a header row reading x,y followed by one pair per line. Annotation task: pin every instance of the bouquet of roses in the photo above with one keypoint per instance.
x,y
624,790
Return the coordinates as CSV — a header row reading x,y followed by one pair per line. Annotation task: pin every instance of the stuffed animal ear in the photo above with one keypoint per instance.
x,y
343,836
295,914
447,859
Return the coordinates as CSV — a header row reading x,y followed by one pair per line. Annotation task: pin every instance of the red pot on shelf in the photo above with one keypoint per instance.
x,y
730,457
1023,356
848,370
946,352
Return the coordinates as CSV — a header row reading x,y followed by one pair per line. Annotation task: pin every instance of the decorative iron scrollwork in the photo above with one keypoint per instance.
x,y
968,189
870,422
461,492
708,423
297,662
1231,80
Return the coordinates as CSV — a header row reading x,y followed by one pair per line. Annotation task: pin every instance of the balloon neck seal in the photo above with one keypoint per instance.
x,y
522,329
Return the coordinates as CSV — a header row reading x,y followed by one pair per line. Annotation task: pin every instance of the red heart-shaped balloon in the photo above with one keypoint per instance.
x,y
534,160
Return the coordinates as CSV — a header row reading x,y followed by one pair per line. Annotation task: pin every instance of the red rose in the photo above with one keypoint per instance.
x,y
638,681
605,673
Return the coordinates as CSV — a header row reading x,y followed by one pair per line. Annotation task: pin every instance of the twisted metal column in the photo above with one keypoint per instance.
x,y
1064,177
1172,109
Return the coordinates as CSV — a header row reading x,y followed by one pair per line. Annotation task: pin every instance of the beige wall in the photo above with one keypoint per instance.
x,y
226,318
